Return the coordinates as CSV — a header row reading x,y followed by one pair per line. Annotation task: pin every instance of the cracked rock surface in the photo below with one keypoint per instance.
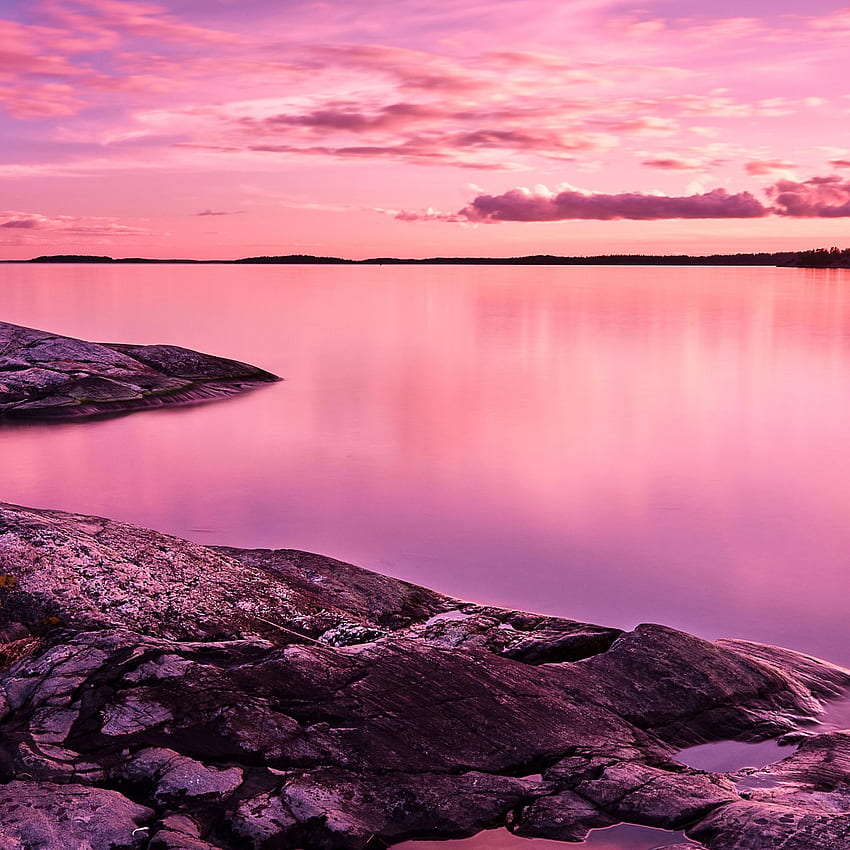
x,y
46,376
156,693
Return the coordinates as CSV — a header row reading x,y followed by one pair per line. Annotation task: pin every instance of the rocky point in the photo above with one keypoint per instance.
x,y
155,693
47,376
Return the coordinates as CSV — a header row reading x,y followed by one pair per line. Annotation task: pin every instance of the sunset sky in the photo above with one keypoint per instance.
x,y
228,128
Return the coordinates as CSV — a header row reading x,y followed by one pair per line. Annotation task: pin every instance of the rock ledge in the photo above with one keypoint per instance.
x,y
156,693
46,376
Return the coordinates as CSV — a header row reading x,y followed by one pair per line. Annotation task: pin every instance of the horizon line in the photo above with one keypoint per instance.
x,y
737,258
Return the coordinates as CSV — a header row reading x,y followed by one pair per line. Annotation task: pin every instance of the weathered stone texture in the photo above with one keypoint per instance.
x,y
178,697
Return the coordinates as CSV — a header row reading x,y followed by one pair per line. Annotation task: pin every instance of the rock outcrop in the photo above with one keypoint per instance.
x,y
156,693
46,376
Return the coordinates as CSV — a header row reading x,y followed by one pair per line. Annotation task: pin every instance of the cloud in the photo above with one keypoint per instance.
x,y
21,223
36,79
672,163
646,126
840,163
425,215
79,225
546,143
416,151
347,116
772,167
834,23
79,49
336,80
412,70
220,212
713,105
818,197
482,147
45,100
525,205
109,18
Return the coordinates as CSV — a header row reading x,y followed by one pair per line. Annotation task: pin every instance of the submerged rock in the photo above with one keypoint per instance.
x,y
46,376
157,693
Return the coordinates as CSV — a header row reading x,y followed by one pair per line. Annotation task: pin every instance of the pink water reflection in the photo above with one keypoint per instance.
x,y
618,445
620,837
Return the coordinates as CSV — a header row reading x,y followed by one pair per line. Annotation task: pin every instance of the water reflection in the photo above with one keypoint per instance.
x,y
728,756
618,445
620,837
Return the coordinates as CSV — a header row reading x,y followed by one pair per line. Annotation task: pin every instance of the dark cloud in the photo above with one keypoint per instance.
x,y
21,224
220,212
522,205
818,197
341,116
673,164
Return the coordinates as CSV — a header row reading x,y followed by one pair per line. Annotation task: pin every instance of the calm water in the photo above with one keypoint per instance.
x,y
620,837
612,444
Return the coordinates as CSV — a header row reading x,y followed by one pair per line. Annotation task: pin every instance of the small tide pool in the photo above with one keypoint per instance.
x,y
728,756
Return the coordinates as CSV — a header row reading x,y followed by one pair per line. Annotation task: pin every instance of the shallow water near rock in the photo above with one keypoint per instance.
x,y
620,837
596,443
726,756
836,715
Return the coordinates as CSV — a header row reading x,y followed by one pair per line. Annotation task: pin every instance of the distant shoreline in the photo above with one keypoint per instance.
x,y
819,258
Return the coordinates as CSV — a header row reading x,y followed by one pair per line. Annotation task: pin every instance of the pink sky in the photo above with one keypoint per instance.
x,y
217,128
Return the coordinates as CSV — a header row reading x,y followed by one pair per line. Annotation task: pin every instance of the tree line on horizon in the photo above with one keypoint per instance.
x,y
820,258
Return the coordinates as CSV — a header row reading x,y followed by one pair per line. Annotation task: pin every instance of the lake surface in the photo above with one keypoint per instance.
x,y
617,445
620,837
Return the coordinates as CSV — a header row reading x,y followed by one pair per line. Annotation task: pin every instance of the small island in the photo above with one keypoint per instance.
x,y
157,693
48,376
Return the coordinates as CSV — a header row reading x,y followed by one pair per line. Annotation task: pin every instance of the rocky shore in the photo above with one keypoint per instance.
x,y
46,376
160,694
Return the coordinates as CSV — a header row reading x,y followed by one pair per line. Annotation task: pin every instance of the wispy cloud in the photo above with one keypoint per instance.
x,y
78,225
769,167
78,50
671,163
106,21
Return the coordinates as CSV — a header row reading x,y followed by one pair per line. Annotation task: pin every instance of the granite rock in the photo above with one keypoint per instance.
x,y
44,816
47,376
180,697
